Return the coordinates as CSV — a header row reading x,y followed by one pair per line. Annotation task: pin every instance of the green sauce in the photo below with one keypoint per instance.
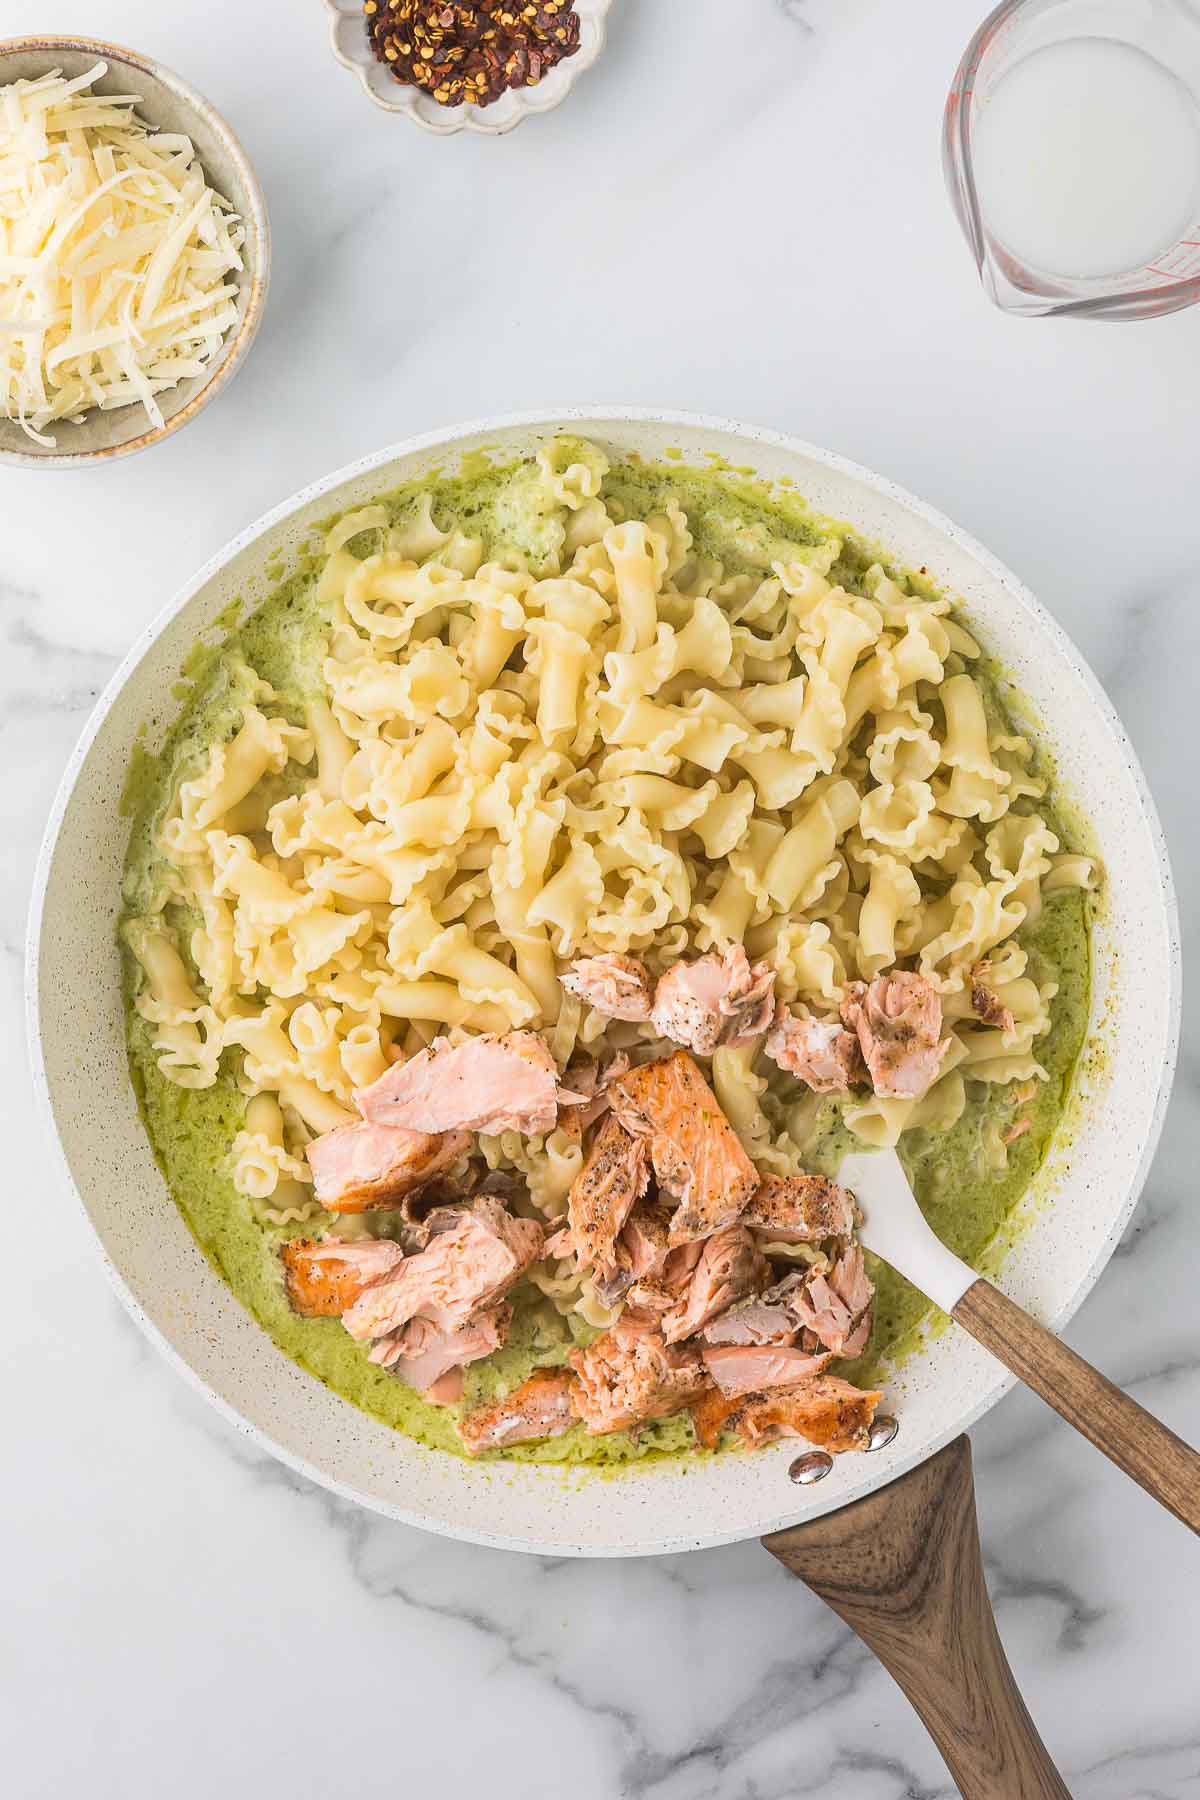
x,y
973,1209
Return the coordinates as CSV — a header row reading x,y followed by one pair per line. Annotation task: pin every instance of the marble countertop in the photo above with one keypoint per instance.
x,y
746,220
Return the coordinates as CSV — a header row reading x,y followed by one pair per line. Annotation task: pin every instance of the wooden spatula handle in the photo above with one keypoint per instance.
x,y
903,1569
1131,1437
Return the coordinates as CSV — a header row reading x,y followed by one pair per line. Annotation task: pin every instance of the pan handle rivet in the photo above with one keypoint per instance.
x,y
882,1431
813,1467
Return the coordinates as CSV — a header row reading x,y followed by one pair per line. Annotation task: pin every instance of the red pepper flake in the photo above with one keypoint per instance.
x,y
471,54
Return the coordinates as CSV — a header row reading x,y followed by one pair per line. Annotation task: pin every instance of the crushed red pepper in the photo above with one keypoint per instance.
x,y
471,54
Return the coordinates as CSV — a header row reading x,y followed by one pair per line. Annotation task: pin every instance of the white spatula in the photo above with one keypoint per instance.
x,y
894,1228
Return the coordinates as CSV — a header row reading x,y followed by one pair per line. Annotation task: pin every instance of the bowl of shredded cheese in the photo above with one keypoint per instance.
x,y
134,252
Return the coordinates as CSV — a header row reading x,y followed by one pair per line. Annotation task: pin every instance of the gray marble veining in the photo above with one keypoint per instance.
x,y
750,223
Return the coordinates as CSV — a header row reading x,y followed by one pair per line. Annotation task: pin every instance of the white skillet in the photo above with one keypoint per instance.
x,y
1076,1216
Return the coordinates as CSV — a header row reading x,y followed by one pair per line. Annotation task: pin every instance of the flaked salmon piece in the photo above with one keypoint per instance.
x,y
617,986
663,1288
828,1412
358,1167
647,1302
753,1368
447,1390
836,1308
560,1245
583,1097
682,1260
542,1407
500,1081
639,1254
766,1318
323,1279
730,1266
443,1195
717,999
823,1313
431,1360
858,1339
986,1004
472,1260
447,1198
645,1241
630,1376
799,1209
628,1328
819,1052
711,1410
695,1151
898,1021
851,1281
615,1174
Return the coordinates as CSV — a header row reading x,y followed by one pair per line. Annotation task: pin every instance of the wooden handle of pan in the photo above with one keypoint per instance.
x,y
1131,1437
903,1569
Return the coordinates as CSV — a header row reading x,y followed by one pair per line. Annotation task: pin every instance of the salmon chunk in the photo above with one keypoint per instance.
x,y
630,1376
542,1407
696,1154
754,1368
500,1081
717,999
323,1279
472,1260
617,986
819,1052
833,1310
427,1358
639,1254
836,1308
560,1245
729,1267
828,1412
766,1318
357,1167
583,1097
615,1175
645,1240
986,1003
898,1021
799,1209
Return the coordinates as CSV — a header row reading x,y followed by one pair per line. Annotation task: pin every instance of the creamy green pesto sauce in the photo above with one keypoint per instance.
x,y
744,523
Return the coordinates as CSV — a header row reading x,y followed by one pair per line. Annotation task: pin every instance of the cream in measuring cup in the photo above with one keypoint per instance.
x,y
1073,156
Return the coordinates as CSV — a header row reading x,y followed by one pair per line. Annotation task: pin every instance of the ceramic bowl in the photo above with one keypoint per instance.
x,y
1075,1215
169,103
352,47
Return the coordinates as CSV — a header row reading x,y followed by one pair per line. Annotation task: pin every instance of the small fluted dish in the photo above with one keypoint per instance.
x,y
352,48
166,102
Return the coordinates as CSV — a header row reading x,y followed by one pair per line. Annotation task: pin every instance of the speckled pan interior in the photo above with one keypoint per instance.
x,y
1094,1174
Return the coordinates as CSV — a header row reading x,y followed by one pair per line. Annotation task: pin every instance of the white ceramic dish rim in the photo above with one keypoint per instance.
x,y
900,1459
257,278
503,115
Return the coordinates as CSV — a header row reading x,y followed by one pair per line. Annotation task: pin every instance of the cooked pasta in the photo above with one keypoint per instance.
x,y
584,735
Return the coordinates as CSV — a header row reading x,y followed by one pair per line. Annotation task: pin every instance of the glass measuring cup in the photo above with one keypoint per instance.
x,y
1071,146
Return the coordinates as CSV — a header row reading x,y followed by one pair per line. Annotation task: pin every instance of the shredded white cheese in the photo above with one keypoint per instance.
x,y
117,260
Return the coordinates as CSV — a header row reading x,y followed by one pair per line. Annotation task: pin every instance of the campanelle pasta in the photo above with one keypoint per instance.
x,y
588,737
